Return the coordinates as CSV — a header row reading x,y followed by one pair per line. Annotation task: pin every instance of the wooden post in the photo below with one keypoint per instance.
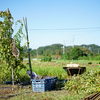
x,y
11,61
25,23
12,76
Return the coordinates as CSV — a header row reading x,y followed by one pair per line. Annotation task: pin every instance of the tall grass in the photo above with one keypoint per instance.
x,y
49,69
54,68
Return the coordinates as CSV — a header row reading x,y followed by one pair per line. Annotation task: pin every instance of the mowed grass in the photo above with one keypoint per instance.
x,y
54,68
48,95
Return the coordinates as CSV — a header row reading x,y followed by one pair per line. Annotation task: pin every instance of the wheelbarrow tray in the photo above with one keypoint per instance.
x,y
74,70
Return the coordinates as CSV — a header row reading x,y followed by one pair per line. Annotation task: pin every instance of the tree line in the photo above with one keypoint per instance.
x,y
56,51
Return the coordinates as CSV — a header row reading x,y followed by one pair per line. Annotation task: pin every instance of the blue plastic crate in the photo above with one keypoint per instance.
x,y
53,81
41,85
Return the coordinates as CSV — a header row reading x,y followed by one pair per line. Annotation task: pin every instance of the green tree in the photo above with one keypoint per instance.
x,y
75,53
9,45
46,58
65,57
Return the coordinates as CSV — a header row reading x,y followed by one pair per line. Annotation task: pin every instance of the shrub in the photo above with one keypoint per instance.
x,y
46,58
64,57
89,63
85,83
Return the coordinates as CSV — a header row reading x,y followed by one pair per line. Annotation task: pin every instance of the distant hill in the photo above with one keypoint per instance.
x,y
92,47
52,49
57,49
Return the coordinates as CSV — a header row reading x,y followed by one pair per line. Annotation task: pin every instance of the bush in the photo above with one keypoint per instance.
x,y
64,57
97,58
85,83
89,63
46,58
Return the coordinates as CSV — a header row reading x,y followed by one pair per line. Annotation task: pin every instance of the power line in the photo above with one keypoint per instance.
x,y
91,28
67,29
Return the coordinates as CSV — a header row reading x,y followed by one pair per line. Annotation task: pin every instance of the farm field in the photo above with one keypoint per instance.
x,y
77,88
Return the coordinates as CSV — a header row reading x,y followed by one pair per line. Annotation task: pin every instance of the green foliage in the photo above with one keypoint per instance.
x,y
75,53
44,69
89,82
64,57
89,58
97,57
46,58
6,45
33,53
94,48
56,49
76,89
5,35
89,63
89,55
25,52
83,58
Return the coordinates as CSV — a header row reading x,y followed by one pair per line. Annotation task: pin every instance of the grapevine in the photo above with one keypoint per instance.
x,y
9,44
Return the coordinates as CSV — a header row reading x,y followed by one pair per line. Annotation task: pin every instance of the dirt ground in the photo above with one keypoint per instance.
x,y
7,91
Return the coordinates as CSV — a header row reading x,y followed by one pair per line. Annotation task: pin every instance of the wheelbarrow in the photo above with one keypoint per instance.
x,y
74,70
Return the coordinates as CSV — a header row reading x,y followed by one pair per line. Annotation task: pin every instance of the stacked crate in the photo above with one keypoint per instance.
x,y
53,82
41,85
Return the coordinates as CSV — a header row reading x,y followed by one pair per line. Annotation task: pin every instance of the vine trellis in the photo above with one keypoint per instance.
x,y
11,50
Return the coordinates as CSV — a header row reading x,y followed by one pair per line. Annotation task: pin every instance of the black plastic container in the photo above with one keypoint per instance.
x,y
74,70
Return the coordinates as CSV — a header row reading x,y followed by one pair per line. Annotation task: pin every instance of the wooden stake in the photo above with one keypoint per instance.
x,y
11,62
25,23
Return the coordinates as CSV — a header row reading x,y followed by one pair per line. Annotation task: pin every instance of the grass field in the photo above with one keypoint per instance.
x,y
71,91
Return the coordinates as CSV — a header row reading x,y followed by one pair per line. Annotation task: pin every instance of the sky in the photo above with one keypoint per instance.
x,y
68,22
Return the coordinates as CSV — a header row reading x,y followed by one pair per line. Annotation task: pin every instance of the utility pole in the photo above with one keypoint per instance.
x,y
25,23
37,53
89,48
98,51
64,48
73,41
